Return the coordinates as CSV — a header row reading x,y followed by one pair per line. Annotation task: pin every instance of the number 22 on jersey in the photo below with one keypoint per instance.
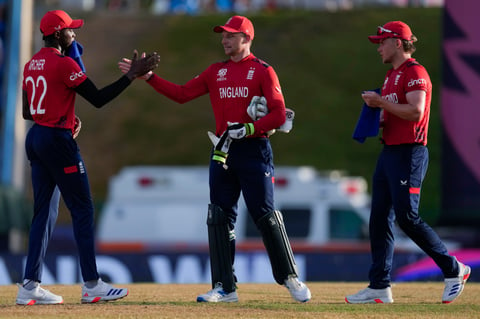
x,y
38,87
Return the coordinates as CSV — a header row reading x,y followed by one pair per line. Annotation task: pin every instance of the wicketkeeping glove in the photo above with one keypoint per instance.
x,y
221,144
288,125
240,130
257,107
213,138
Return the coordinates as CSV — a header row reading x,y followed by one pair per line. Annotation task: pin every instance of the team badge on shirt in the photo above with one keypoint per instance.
x,y
250,73
397,78
221,74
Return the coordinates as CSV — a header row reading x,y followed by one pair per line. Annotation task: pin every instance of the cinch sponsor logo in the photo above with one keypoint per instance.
x,y
417,82
75,76
36,65
233,92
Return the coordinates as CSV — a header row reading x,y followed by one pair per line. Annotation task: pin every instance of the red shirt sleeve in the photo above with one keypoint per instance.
x,y
276,105
417,78
180,93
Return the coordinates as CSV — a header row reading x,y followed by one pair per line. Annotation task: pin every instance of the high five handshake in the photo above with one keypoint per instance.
x,y
140,68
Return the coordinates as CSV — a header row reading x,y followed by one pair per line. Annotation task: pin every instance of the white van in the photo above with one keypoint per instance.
x,y
166,206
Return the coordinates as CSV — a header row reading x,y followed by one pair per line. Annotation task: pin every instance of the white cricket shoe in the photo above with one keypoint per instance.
x,y
369,295
454,286
102,292
217,294
298,289
37,296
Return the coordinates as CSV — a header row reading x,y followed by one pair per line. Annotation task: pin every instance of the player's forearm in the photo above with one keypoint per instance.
x,y
406,111
413,110
171,90
99,98
274,119
26,107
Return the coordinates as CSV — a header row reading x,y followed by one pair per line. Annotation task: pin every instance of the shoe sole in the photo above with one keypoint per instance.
x,y
232,298
306,293
32,302
465,278
302,300
376,300
102,299
223,300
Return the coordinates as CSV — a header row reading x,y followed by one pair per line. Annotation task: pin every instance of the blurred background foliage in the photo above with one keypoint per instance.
x,y
323,60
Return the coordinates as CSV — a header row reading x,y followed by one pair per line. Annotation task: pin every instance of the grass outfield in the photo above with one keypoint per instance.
x,y
412,300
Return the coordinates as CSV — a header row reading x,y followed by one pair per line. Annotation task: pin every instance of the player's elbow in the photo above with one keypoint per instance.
x,y
98,104
99,101
416,115
27,116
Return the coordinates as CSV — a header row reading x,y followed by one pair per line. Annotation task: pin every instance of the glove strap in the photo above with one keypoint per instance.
x,y
249,129
219,156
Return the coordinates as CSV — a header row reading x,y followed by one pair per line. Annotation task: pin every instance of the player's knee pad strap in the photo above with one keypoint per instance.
x,y
278,246
219,237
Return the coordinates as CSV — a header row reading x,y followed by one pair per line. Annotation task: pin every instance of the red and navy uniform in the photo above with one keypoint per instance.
x,y
231,86
398,177
50,84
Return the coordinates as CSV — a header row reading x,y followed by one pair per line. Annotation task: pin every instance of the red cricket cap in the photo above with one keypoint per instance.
x,y
57,20
237,24
392,29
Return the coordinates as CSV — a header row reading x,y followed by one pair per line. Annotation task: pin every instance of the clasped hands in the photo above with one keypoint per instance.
x,y
139,68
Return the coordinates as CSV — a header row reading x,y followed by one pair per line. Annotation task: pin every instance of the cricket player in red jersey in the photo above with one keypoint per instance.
x,y
50,84
401,167
231,85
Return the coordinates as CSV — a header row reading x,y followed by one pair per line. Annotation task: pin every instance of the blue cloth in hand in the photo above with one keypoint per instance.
x,y
75,51
368,124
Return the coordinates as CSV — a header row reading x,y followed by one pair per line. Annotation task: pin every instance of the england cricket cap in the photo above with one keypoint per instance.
x,y
57,20
237,24
392,29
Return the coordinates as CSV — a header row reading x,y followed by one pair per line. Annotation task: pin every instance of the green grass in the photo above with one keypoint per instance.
x,y
411,300
323,60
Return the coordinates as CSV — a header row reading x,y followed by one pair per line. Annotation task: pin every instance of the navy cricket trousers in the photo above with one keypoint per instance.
x,y
397,181
56,162
250,172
